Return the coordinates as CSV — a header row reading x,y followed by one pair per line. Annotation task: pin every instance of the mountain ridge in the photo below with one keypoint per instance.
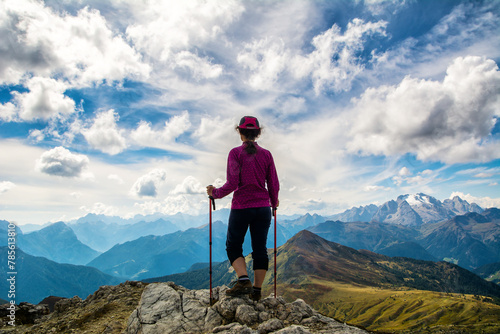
x,y
56,242
39,278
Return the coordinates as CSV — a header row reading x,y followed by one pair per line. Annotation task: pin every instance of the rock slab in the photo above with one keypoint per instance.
x,y
166,308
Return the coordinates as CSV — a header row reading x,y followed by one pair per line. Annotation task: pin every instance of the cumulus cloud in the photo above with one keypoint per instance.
x,y
147,185
144,135
104,134
172,205
61,162
214,132
190,185
7,112
174,30
338,74
188,23
332,66
404,176
6,186
200,68
44,100
82,48
448,121
266,59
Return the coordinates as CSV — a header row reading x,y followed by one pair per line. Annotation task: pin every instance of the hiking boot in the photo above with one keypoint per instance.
x,y
239,288
255,295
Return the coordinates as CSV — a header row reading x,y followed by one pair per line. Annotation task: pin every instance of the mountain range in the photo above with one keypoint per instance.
x,y
56,242
369,289
412,210
404,239
469,240
39,277
102,236
151,256
308,255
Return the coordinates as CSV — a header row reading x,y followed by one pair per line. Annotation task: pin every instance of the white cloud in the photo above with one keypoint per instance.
x,y
165,27
451,32
449,121
148,184
404,176
332,66
61,162
339,74
37,135
379,7
145,136
76,194
266,59
484,202
377,188
44,100
6,186
104,134
314,204
171,33
82,48
469,29
101,209
172,205
201,68
293,105
404,171
116,178
214,132
7,112
190,186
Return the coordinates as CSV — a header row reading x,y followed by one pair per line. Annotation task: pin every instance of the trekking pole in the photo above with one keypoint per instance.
x,y
274,214
211,203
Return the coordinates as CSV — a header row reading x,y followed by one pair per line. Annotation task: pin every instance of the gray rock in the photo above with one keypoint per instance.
x,y
294,329
247,315
270,326
167,308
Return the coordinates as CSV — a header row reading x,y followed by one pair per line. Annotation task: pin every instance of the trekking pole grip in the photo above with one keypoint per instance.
x,y
212,200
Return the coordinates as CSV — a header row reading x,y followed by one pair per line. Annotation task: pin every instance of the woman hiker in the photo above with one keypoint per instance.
x,y
249,169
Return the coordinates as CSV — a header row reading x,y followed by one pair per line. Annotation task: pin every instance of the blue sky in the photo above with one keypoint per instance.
x,y
125,108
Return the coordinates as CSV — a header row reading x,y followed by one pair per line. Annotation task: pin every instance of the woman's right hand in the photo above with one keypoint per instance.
x,y
210,190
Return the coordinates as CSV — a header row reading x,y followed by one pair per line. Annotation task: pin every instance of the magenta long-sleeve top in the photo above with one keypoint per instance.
x,y
248,175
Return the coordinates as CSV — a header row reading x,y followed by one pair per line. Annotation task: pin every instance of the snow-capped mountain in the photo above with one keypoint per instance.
x,y
418,209
409,210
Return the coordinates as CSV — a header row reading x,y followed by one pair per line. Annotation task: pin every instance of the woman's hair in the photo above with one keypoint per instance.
x,y
251,135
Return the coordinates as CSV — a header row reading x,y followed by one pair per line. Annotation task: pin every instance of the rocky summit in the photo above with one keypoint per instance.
x,y
163,308
167,308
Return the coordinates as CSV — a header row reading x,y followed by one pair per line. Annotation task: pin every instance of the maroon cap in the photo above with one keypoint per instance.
x,y
249,122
